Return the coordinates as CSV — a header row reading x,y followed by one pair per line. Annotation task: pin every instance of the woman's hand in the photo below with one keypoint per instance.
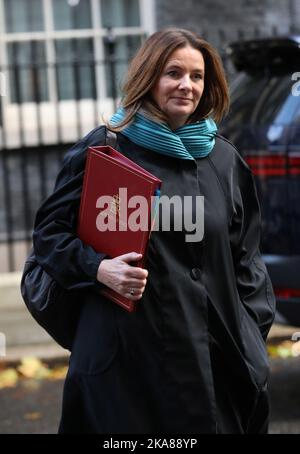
x,y
118,275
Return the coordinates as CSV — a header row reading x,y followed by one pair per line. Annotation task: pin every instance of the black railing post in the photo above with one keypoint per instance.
x,y
8,211
16,69
76,79
34,72
2,125
110,41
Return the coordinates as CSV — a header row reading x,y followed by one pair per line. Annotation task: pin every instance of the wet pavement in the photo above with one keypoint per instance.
x,y
285,396
33,407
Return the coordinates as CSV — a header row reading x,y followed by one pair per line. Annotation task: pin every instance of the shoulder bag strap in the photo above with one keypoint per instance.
x,y
111,138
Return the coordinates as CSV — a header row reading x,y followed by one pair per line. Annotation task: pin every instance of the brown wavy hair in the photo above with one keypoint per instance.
x,y
148,64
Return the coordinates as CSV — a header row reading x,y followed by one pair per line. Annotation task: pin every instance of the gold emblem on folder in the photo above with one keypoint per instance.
x,y
115,205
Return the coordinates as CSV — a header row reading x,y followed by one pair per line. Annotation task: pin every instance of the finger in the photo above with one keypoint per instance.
x,y
130,257
136,283
136,291
135,297
136,273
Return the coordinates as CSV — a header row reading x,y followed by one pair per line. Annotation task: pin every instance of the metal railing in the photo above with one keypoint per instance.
x,y
35,133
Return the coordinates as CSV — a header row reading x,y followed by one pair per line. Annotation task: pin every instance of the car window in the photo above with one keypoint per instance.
x,y
258,100
261,123
296,118
242,99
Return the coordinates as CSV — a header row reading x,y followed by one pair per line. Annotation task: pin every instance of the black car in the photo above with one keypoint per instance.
x,y
264,124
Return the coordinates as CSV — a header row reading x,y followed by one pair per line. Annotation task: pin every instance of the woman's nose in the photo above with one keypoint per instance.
x,y
185,83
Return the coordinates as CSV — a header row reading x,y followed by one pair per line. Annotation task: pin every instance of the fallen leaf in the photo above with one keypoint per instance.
x,y
33,368
296,349
284,352
34,416
59,373
8,378
283,349
272,351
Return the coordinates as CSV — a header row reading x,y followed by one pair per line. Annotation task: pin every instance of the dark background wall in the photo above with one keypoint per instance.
x,y
221,21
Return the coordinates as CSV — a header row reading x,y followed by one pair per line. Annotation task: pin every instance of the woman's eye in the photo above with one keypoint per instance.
x,y
198,76
173,73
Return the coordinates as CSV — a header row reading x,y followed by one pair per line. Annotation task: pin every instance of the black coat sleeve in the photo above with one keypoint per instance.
x,y
57,247
252,279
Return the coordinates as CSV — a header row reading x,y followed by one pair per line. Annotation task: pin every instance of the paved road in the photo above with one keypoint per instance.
x,y
33,407
285,396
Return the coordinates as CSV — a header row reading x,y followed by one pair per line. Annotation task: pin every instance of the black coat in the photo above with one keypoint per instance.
x,y
192,359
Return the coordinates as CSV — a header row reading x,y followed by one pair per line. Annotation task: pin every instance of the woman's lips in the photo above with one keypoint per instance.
x,y
181,99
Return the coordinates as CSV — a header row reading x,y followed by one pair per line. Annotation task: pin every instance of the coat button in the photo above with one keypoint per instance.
x,y
196,274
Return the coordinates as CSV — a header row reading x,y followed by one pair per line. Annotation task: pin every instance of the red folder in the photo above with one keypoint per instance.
x,y
110,181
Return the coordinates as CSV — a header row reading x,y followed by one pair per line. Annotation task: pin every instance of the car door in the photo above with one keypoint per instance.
x,y
261,112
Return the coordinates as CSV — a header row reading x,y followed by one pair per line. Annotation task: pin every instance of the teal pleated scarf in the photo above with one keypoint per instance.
x,y
190,141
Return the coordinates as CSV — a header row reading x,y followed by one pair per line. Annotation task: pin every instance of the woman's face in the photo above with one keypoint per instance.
x,y
180,86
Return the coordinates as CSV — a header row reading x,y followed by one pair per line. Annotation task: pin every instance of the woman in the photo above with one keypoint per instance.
x,y
192,358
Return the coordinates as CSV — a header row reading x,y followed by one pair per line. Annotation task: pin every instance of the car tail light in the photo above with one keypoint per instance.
x,y
287,292
272,165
